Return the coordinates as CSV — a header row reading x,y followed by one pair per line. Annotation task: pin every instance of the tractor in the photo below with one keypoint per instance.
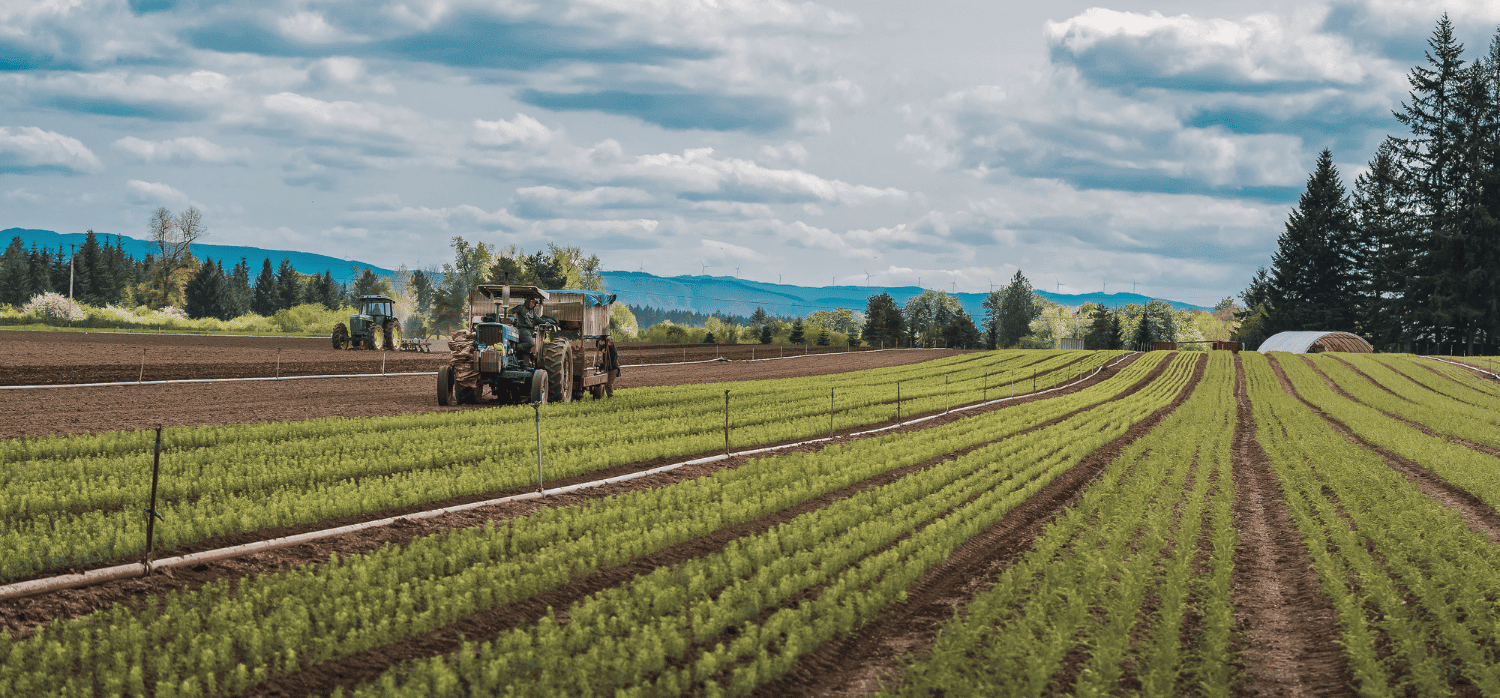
x,y
565,359
375,327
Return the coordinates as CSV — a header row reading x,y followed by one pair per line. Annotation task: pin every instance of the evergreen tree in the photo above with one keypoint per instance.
x,y
758,319
422,286
1018,307
797,336
1163,324
62,271
205,291
822,340
959,331
15,274
332,293
1116,332
237,295
1101,329
884,324
1310,270
765,334
1383,250
708,338
287,286
263,299
1141,341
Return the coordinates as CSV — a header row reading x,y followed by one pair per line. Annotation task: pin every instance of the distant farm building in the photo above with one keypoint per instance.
x,y
1315,342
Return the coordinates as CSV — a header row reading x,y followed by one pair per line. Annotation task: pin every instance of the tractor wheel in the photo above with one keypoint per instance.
x,y
558,358
539,386
393,335
376,340
340,336
445,385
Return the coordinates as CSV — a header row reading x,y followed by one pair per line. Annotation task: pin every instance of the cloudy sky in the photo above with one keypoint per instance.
x,y
1156,143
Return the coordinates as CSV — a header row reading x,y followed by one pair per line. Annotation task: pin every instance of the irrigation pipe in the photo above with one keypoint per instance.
x,y
1464,365
140,569
778,358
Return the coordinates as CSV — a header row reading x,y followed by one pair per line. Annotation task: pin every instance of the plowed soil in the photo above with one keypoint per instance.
x,y
60,358
35,358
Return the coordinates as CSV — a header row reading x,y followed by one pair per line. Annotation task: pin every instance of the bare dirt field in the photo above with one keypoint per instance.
x,y
53,358
26,359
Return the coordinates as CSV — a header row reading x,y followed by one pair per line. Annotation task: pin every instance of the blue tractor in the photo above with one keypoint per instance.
x,y
546,351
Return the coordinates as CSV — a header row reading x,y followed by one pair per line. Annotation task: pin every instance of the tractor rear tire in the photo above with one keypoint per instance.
x,y
445,385
557,357
376,339
393,336
340,336
539,386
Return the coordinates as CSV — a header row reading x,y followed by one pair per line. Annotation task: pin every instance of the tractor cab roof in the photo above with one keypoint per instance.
x,y
521,292
376,298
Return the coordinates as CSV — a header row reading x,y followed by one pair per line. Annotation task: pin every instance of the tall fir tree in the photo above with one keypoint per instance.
x,y
1310,270
15,274
1018,308
263,299
237,292
287,286
1384,249
884,324
204,292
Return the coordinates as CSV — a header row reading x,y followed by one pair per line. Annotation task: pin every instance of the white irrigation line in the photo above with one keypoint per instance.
x,y
214,380
1468,366
141,569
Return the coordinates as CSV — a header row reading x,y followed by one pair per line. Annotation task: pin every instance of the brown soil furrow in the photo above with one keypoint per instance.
x,y
1367,377
20,615
1480,517
1491,450
1289,631
857,665
1445,377
350,671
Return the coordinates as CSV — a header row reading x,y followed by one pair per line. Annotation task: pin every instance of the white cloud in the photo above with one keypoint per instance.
x,y
31,149
520,131
719,250
177,97
460,219
1260,48
180,151
157,193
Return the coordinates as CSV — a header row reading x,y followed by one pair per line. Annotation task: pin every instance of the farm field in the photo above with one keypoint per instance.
x,y
1168,524
50,358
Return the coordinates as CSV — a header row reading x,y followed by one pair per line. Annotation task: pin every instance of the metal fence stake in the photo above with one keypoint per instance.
x,y
726,423
830,412
278,363
142,375
536,408
151,514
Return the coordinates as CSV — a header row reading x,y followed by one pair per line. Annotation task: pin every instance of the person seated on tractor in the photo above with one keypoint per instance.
x,y
526,317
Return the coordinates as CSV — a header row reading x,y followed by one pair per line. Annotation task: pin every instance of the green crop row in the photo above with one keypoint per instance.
x,y
227,636
1081,591
1411,402
727,623
58,510
1413,588
1474,471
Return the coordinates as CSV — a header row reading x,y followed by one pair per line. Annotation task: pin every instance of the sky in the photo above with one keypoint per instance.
x,y
1147,146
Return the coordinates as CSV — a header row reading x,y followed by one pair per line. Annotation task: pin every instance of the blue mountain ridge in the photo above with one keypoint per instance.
x,y
702,294
228,255
731,296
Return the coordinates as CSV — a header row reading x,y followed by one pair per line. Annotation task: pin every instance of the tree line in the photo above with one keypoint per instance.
x,y
1411,257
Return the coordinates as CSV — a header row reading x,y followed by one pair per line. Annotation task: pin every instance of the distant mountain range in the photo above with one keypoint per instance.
x,y
731,296
228,255
703,294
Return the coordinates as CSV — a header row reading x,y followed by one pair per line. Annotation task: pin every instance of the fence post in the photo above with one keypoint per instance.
x,y
142,375
536,408
278,363
382,363
986,388
151,514
898,400
726,423
830,412
1033,380
947,395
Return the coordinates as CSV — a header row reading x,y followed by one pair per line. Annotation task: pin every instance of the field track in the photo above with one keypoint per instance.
x,y
1176,524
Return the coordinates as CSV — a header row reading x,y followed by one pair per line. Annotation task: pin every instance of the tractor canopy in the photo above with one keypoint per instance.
x,y
591,299
376,306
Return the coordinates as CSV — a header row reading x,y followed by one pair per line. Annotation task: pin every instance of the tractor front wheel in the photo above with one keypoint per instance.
x,y
376,338
558,358
340,336
445,385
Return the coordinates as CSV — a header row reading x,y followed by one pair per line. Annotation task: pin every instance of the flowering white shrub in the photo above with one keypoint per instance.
x,y
53,305
171,313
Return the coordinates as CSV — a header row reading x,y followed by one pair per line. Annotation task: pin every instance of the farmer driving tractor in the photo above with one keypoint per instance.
x,y
526,317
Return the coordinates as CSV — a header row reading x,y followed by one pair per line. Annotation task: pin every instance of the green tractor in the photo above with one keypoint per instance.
x,y
375,327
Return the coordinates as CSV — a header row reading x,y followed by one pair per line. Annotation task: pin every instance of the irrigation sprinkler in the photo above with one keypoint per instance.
x,y
151,514
382,363
947,395
278,363
898,400
830,412
1033,380
1013,382
142,375
536,408
726,423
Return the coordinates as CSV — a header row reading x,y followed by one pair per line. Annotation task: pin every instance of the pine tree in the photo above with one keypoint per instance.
x,y
90,276
263,298
797,336
884,324
1143,333
237,294
287,286
1310,270
204,292
15,274
766,334
1017,309
1384,249
1100,334
421,284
